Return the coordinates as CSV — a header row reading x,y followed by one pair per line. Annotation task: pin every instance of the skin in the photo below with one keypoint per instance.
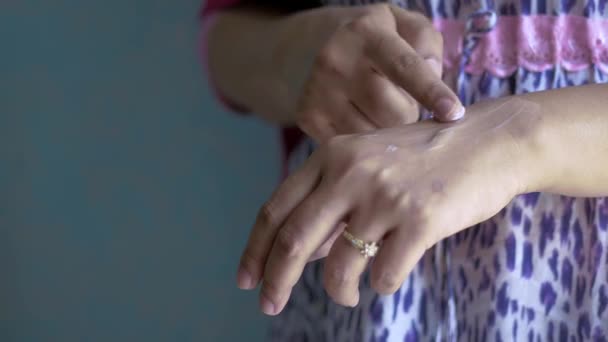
x,y
344,70
501,115
332,70
438,181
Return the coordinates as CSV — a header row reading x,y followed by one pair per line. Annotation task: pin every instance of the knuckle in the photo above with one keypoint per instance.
x,y
326,60
266,215
250,260
359,26
386,189
414,210
406,62
289,244
388,194
402,202
336,276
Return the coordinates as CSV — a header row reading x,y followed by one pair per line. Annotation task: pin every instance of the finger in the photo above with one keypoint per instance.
x,y
334,114
316,125
311,116
395,58
325,106
323,97
419,32
345,116
345,263
303,232
326,246
385,104
351,119
287,197
421,35
400,252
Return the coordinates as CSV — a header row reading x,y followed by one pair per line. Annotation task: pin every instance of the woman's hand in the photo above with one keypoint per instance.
x,y
354,69
408,187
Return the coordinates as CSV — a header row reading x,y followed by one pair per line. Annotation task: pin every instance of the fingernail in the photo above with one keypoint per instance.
x,y
435,65
447,108
458,114
267,305
244,280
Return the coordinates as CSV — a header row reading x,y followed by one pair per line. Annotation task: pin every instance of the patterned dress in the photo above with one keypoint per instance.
x,y
537,271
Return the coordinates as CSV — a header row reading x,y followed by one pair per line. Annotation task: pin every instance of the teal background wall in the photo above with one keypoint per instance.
x,y
125,192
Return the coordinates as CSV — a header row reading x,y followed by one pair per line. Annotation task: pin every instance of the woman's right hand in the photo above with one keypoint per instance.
x,y
356,69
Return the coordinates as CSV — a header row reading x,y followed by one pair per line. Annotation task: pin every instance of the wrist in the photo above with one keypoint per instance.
x,y
513,130
528,134
550,144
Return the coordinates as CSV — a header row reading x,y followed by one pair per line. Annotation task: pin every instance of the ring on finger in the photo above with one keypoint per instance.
x,y
367,249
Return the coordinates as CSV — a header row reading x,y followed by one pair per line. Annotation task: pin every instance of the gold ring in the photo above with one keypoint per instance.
x,y
367,249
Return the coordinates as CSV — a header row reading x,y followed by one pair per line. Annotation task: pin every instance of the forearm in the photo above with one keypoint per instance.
x,y
240,49
247,59
570,146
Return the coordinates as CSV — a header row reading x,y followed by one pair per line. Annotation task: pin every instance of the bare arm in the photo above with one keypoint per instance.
x,y
414,185
244,59
571,147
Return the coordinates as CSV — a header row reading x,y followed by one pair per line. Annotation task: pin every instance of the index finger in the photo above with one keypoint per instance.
x,y
395,58
270,218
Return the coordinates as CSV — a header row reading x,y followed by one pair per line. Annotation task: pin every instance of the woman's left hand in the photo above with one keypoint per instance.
x,y
408,187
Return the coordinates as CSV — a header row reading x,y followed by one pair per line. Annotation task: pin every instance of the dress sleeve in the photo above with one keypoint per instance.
x,y
208,14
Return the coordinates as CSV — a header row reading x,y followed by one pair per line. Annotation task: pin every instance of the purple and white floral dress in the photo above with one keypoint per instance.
x,y
537,271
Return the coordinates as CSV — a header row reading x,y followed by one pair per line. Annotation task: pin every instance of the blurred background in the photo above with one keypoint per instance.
x,y
126,193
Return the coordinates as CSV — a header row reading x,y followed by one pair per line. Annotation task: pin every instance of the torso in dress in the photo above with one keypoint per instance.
x,y
537,271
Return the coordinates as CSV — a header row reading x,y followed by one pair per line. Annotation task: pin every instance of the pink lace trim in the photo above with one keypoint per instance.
x,y
536,43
